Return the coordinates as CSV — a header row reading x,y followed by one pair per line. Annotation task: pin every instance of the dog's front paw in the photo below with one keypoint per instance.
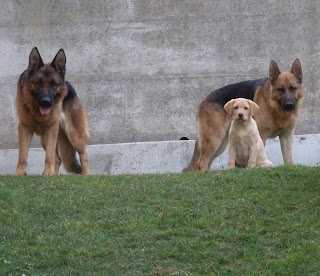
x,y
231,166
48,172
21,172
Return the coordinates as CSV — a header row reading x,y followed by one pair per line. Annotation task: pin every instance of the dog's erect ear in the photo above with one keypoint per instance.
x,y
254,108
274,72
229,106
59,63
35,60
297,70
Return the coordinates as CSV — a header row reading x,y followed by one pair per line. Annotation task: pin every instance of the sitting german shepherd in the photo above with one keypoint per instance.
x,y
48,105
279,97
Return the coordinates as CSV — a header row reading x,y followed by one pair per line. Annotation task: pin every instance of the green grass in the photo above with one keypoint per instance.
x,y
236,222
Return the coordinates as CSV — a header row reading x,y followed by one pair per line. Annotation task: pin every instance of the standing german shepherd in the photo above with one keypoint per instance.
x,y
279,97
49,106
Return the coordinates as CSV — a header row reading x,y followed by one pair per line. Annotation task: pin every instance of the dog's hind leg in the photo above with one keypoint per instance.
x,y
74,136
78,138
209,150
220,150
68,154
205,150
57,157
212,135
79,144
193,163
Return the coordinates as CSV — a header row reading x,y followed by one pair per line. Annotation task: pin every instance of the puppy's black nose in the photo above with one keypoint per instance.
x,y
240,115
45,101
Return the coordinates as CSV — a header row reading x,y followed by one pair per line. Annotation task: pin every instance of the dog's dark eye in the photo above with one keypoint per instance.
x,y
246,108
281,90
54,84
293,88
236,107
38,82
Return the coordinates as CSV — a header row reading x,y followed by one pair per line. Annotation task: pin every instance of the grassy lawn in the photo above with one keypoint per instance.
x,y
236,222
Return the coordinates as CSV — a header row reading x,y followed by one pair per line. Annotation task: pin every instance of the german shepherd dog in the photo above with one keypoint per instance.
x,y
279,97
48,106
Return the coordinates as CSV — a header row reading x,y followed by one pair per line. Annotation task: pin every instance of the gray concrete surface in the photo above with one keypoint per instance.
x,y
159,157
142,67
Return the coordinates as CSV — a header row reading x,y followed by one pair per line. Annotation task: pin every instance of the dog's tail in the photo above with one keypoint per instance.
x,y
195,157
68,154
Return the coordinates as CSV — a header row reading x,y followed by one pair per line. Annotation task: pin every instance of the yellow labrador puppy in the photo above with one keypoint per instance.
x,y
246,148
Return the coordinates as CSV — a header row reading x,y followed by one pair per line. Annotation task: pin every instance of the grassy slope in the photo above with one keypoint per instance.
x,y
240,221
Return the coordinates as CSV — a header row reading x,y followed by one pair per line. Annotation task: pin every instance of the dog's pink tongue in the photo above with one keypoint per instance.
x,y
45,110
288,113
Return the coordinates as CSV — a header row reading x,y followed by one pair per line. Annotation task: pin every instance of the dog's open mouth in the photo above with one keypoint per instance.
x,y
288,108
45,111
288,113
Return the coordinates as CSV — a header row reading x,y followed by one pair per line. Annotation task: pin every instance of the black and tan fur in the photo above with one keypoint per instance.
x,y
48,106
279,97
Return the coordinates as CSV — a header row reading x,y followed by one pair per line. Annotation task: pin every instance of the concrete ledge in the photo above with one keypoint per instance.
x,y
159,157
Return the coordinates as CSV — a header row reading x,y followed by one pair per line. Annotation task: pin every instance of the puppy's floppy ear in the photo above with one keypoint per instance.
x,y
228,106
254,108
297,70
274,72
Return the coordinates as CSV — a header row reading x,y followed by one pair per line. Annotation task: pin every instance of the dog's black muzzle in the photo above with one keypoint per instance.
x,y
46,101
288,105
45,98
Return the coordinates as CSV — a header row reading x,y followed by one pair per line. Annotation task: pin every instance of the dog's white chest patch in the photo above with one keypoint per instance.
x,y
63,121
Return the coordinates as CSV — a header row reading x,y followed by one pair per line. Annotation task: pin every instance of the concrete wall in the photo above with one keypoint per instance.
x,y
142,67
159,157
